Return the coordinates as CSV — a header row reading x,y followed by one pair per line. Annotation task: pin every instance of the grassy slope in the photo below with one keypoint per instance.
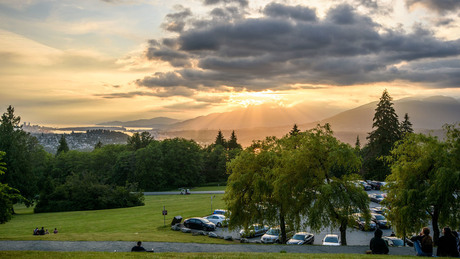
x,y
38,255
128,224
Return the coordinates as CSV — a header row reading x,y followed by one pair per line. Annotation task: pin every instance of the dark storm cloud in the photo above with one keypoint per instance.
x,y
175,22
440,6
344,48
215,2
294,12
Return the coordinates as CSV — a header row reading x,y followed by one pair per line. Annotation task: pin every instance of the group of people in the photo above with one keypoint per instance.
x,y
448,244
42,231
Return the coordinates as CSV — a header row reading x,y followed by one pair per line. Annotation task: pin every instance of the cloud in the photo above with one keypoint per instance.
x,y
441,6
175,22
158,92
187,106
290,45
294,12
215,2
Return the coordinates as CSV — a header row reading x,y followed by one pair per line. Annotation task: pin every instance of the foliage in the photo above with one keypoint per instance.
x,y
386,131
295,130
85,192
26,159
220,140
406,125
137,141
424,183
309,174
232,143
63,147
8,195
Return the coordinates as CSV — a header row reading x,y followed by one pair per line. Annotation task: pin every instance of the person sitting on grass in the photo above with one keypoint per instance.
x,y
378,245
423,243
138,247
55,231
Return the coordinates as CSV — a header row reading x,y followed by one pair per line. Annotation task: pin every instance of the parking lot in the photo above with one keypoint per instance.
x,y
354,235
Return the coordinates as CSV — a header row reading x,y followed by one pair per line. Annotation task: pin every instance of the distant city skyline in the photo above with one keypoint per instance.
x,y
90,61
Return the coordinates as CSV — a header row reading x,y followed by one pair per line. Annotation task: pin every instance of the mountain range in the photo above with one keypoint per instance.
x,y
256,122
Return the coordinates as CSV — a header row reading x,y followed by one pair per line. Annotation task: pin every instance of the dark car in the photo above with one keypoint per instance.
x,y
302,238
361,223
376,185
380,220
200,223
377,198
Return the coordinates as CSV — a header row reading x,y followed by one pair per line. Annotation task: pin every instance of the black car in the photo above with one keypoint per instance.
x,y
380,220
375,185
361,223
200,223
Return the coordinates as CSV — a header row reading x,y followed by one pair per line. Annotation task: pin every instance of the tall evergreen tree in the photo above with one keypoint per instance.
x,y
98,145
358,143
232,142
406,125
386,131
295,130
63,147
220,140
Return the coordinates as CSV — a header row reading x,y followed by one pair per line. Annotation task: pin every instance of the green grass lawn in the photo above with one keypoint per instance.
x,y
209,188
102,255
128,224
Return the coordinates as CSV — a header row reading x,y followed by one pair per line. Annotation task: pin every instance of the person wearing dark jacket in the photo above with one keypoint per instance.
x,y
377,244
423,243
447,244
138,247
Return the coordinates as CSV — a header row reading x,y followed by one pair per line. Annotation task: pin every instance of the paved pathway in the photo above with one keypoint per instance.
x,y
123,246
178,192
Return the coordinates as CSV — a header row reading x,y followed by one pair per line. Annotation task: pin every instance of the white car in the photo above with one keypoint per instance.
x,y
331,240
272,236
219,220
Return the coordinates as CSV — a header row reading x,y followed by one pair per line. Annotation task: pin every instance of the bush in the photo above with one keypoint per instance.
x,y
84,192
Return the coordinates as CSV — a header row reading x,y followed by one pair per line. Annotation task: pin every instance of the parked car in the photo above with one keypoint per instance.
x,y
199,223
380,220
331,240
361,223
273,235
218,219
376,185
220,212
393,241
302,238
366,186
378,210
254,230
377,198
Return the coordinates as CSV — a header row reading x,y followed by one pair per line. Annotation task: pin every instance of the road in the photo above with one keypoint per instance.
x,y
122,246
178,192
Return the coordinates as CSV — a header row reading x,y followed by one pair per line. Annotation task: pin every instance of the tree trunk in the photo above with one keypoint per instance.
x,y
343,232
435,225
283,229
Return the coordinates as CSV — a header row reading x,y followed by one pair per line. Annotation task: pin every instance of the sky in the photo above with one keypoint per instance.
x,y
89,61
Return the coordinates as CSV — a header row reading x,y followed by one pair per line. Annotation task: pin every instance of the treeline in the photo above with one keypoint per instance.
x,y
110,176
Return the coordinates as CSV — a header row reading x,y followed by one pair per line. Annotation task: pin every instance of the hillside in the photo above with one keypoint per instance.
x,y
156,123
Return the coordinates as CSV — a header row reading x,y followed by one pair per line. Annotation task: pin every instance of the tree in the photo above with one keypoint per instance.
x,y
220,140
63,147
406,125
98,145
8,195
25,158
215,160
424,185
307,176
357,143
137,141
294,130
232,142
386,131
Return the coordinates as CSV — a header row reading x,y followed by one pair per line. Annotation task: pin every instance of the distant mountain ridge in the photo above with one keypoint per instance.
x,y
158,122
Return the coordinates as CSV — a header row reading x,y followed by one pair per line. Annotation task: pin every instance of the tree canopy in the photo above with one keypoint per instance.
x,y
424,183
309,175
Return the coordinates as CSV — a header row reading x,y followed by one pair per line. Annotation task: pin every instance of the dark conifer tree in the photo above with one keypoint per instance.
x,y
358,143
232,142
406,125
63,147
98,145
295,130
386,131
220,140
